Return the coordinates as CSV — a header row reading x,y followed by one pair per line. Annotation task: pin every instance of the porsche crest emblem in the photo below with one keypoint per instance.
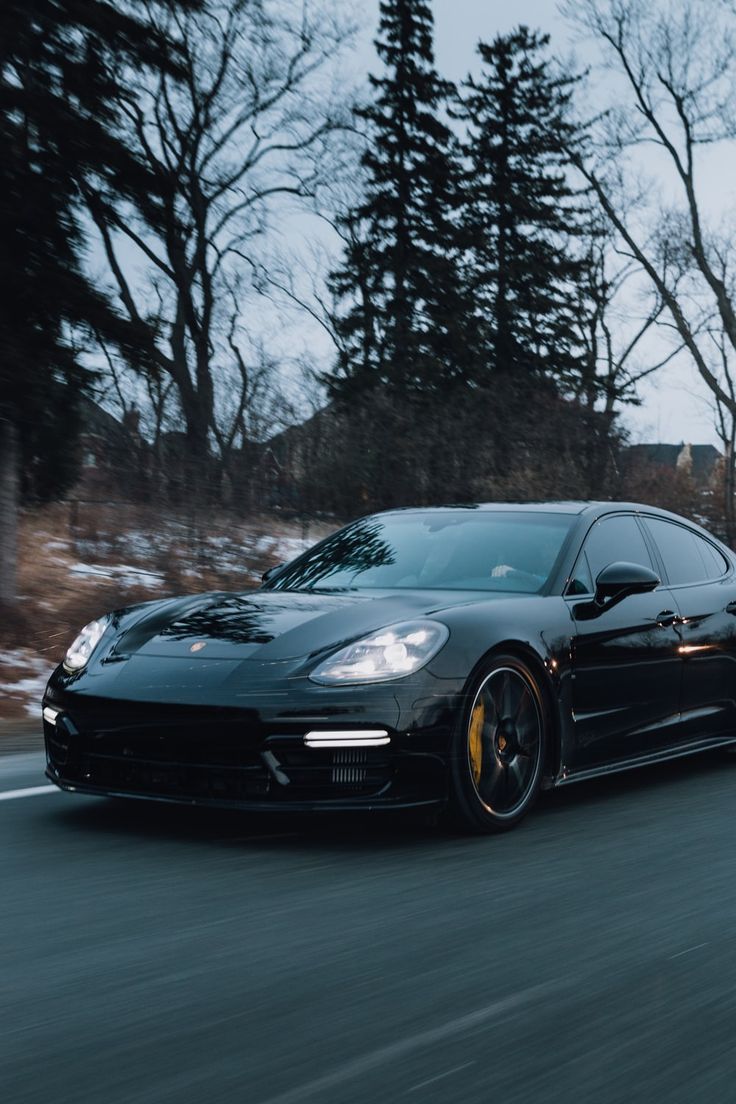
x,y
198,646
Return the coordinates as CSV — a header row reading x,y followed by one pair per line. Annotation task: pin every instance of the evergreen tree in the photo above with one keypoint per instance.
x,y
61,66
522,217
406,322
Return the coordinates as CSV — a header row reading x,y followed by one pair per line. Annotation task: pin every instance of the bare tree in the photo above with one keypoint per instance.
x,y
725,425
251,127
674,71
615,322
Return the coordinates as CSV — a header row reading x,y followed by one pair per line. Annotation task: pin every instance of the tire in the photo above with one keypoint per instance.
x,y
499,747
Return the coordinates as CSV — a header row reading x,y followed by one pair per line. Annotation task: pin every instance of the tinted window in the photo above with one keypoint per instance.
x,y
454,549
715,563
581,581
687,557
611,540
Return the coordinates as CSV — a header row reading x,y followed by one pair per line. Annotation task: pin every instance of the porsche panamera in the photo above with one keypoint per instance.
x,y
453,658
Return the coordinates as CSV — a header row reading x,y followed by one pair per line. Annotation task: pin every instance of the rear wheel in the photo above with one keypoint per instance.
x,y
499,748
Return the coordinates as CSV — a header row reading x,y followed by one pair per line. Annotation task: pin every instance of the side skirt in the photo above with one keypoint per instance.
x,y
566,777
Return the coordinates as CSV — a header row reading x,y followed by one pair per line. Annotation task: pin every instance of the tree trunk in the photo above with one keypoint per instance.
x,y
730,489
9,462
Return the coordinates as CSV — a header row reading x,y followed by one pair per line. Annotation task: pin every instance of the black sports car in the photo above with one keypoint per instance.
x,y
458,657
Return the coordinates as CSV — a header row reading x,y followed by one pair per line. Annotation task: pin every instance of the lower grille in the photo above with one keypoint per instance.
x,y
332,772
349,767
187,780
226,761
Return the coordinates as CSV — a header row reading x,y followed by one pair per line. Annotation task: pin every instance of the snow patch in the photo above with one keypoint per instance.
x,y
125,574
28,689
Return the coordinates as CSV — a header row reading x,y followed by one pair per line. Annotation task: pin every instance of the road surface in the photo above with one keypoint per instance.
x,y
157,954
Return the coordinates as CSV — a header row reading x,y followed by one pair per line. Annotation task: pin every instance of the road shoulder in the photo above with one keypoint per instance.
x,y
20,736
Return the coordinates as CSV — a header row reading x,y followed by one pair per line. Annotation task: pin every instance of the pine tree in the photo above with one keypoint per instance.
x,y
405,325
60,75
522,216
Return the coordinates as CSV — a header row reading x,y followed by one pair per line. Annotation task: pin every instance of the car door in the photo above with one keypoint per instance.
x,y
626,667
702,582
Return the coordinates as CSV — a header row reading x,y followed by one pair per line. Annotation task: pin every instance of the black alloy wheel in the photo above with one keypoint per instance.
x,y
500,746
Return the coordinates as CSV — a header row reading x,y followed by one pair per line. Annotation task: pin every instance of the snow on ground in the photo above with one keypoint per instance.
x,y
291,547
124,574
283,548
224,553
220,552
23,678
137,561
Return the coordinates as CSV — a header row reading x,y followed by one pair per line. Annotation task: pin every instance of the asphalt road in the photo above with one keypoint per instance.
x,y
155,954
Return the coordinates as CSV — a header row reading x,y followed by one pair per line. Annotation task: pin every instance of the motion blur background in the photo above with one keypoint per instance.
x,y
266,265
269,264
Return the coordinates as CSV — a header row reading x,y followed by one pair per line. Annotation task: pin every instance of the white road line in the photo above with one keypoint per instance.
x,y
32,791
439,1077
688,950
383,1055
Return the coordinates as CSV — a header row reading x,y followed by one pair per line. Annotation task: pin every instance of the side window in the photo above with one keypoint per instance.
x,y
610,540
716,564
581,581
687,557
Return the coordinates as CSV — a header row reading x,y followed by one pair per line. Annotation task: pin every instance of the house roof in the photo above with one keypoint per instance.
x,y
703,457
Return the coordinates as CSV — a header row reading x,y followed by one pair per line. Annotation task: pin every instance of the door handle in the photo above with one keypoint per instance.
x,y
731,607
667,618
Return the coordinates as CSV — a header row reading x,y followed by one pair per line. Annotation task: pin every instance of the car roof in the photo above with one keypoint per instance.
x,y
573,507
587,513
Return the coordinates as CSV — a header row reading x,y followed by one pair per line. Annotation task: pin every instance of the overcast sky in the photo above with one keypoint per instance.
x,y
674,404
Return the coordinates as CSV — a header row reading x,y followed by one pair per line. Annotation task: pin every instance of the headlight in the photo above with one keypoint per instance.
x,y
388,654
84,644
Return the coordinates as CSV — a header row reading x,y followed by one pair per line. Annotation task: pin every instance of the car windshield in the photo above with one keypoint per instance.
x,y
459,549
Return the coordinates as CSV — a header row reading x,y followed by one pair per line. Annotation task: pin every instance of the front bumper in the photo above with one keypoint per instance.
x,y
237,758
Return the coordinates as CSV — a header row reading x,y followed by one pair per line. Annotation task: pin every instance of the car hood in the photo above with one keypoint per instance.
x,y
272,625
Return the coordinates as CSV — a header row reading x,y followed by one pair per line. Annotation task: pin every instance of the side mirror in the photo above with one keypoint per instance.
x,y
614,583
619,580
271,572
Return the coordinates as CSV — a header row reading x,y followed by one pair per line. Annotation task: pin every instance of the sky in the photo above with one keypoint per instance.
x,y
674,404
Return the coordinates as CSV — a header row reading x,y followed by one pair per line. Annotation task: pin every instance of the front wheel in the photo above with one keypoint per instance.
x,y
498,753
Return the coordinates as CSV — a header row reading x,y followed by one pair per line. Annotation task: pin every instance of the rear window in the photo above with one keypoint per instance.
x,y
687,557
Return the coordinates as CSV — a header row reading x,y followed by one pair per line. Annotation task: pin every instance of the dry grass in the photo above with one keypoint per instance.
x,y
76,563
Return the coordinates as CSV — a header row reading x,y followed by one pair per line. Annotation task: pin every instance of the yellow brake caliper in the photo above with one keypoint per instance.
x,y
475,741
